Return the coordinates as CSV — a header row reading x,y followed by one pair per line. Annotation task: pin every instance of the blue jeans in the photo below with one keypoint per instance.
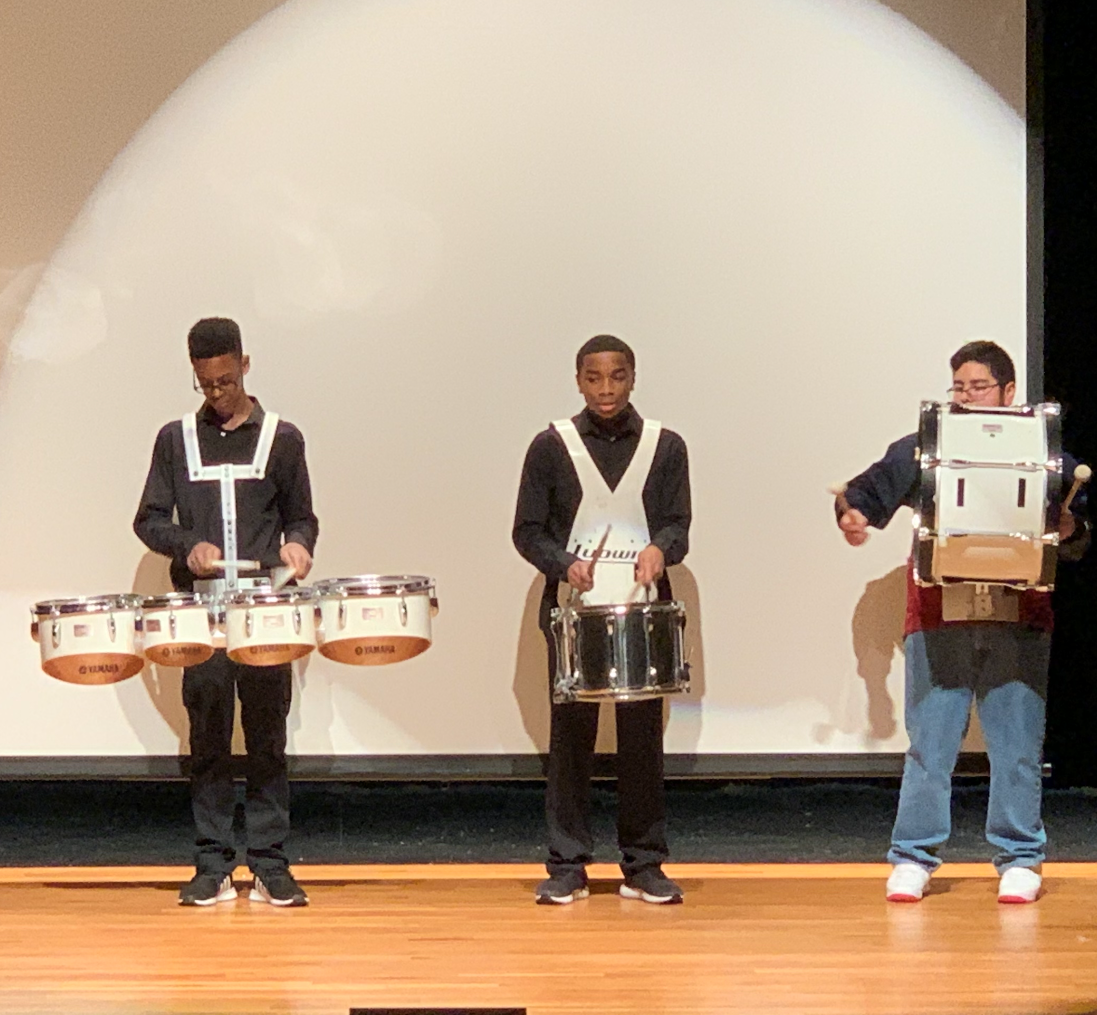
x,y
1003,668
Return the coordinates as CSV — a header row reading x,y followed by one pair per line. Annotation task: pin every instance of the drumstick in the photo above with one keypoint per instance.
x,y
240,565
281,576
598,550
1081,475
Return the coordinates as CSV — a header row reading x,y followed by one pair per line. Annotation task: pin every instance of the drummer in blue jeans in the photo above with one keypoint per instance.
x,y
999,661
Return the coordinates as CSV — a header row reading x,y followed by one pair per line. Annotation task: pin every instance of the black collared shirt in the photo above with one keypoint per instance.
x,y
269,511
550,493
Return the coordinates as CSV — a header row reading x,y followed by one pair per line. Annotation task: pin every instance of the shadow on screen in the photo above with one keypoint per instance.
x,y
877,629
164,684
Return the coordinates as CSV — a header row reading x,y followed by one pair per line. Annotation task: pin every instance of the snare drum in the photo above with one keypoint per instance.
x,y
177,629
989,495
90,640
371,620
619,653
265,628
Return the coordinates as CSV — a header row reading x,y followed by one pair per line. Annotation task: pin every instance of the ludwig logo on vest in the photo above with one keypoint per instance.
x,y
586,552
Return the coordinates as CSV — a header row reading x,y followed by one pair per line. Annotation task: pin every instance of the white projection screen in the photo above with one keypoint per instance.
x,y
793,210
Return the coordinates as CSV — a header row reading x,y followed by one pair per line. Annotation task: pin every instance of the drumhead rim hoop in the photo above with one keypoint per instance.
x,y
267,597
87,604
621,609
175,600
375,585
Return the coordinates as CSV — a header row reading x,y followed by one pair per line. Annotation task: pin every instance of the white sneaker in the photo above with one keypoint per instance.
x,y
1019,884
907,883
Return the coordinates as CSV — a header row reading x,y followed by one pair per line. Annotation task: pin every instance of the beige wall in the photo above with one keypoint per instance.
x,y
793,210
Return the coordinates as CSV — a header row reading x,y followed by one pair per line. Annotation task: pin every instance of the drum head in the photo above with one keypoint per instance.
x,y
375,585
265,597
174,601
86,604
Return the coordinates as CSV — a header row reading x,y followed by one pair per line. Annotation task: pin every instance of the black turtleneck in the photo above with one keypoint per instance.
x,y
549,493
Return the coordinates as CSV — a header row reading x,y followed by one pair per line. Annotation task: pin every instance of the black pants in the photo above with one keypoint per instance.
x,y
209,693
641,800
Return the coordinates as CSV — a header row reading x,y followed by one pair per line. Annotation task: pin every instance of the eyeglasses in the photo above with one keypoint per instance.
x,y
221,385
974,388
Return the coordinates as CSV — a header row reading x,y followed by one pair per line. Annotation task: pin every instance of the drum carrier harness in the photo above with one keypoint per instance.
x,y
228,475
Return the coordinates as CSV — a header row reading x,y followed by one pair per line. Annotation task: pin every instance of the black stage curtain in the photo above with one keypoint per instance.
x,y
1063,107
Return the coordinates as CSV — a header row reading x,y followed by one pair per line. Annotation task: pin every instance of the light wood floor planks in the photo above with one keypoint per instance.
x,y
804,939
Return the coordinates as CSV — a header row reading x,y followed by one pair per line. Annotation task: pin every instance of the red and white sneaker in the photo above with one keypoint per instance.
x,y
1019,885
907,883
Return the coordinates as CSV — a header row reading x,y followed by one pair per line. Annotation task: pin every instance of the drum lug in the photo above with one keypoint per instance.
x,y
434,606
249,624
297,620
342,613
111,626
171,623
55,633
403,611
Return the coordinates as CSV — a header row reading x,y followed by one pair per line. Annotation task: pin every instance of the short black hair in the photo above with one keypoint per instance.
x,y
604,343
214,336
991,355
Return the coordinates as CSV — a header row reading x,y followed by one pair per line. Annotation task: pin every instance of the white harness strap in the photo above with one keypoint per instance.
x,y
228,475
620,510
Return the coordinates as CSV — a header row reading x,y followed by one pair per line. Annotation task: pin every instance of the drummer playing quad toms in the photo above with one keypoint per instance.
x,y
605,469
235,475
994,650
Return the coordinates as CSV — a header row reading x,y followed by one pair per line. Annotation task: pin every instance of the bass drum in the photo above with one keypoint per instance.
x,y
989,495
373,620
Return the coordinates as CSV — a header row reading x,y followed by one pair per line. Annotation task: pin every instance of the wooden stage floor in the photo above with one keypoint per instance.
x,y
809,940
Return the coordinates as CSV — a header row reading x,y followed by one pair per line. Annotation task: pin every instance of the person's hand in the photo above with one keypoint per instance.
x,y
579,577
1066,525
296,556
200,559
854,526
649,565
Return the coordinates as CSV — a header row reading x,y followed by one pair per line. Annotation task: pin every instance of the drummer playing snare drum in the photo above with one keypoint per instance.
x,y
182,515
996,655
604,470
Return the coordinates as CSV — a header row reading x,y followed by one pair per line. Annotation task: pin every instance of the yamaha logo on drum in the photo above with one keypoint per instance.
x,y
361,650
184,650
262,650
100,668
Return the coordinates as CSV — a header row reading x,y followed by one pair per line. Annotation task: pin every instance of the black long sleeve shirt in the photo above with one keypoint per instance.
x,y
175,514
550,493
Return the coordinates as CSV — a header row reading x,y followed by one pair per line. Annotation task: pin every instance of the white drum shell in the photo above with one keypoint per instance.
x,y
86,648
186,642
373,630
1005,450
276,633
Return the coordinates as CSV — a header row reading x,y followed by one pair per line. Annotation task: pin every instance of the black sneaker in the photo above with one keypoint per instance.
x,y
651,885
207,890
560,889
279,888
